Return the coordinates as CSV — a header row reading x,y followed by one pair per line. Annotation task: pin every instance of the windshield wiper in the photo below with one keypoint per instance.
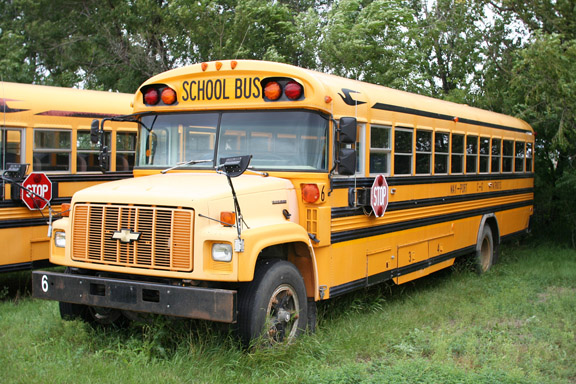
x,y
191,162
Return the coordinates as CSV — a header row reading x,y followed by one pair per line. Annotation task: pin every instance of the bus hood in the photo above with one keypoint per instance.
x,y
179,189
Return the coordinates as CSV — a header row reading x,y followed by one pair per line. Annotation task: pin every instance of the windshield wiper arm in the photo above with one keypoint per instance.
x,y
191,162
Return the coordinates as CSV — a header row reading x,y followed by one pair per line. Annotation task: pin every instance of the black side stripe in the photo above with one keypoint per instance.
x,y
434,115
366,182
338,237
389,275
400,205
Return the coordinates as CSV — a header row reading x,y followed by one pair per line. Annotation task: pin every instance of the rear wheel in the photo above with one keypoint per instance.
x,y
485,251
273,307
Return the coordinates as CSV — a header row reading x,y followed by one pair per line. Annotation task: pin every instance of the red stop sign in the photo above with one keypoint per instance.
x,y
379,196
41,185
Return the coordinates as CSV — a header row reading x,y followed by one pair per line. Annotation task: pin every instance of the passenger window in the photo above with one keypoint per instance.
x,y
457,153
507,155
484,154
496,152
10,147
125,151
471,154
423,152
528,157
441,152
87,153
402,151
519,161
380,149
52,149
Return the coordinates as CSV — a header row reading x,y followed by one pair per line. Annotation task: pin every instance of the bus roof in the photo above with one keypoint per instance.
x,y
333,94
27,100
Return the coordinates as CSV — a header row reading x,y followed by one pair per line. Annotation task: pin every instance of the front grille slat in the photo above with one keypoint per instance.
x,y
165,242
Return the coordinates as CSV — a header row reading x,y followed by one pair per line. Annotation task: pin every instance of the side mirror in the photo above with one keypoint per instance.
x,y
347,162
95,131
347,129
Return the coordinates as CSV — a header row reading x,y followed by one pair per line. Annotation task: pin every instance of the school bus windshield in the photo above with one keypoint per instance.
x,y
277,140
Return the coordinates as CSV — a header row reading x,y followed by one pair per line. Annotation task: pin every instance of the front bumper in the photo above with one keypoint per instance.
x,y
164,299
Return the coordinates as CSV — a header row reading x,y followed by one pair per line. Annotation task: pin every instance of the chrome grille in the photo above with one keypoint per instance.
x,y
165,241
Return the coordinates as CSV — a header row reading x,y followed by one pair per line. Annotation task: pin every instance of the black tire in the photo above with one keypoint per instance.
x,y
273,308
69,311
485,251
95,316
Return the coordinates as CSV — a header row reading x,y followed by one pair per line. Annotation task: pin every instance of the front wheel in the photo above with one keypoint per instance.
x,y
95,316
273,307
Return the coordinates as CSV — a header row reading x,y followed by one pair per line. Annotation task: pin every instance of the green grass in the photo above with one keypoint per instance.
x,y
515,324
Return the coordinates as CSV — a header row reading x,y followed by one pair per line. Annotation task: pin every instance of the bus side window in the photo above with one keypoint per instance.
x,y
52,149
380,149
519,161
423,152
403,151
125,151
528,157
471,154
87,153
496,151
507,155
484,154
441,152
457,153
10,147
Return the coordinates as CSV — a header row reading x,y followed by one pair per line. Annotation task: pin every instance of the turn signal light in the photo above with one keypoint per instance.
x,y
65,210
310,193
228,219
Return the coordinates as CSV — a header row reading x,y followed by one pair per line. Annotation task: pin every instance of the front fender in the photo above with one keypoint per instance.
x,y
257,239
57,254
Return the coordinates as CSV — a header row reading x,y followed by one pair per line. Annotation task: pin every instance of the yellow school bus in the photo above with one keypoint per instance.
x,y
262,188
47,130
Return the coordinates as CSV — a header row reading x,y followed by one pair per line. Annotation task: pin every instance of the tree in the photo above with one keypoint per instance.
x,y
367,40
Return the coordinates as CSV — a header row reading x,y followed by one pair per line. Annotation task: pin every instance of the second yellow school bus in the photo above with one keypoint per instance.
x,y
47,129
262,188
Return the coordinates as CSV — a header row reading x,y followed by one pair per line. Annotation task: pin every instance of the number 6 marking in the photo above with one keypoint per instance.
x,y
44,283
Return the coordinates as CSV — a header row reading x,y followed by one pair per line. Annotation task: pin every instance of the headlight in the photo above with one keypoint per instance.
x,y
222,252
60,239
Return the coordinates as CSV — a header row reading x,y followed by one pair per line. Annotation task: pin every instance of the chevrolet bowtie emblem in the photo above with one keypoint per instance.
x,y
126,235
